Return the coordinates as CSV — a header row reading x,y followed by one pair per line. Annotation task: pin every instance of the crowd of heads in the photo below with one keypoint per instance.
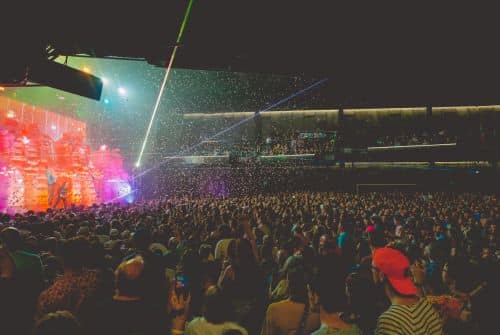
x,y
320,142
295,143
223,261
422,137
248,178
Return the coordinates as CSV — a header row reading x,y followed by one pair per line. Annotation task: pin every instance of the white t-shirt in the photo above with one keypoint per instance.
x,y
200,326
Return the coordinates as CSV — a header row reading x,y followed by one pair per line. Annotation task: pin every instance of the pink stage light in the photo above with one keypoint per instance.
x,y
28,151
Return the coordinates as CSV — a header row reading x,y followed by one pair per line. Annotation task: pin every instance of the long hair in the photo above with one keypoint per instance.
x,y
217,308
296,276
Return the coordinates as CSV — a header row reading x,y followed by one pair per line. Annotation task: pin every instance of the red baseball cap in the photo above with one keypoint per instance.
x,y
396,267
370,229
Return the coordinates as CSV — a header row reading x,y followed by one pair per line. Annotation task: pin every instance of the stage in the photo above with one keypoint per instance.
x,y
45,156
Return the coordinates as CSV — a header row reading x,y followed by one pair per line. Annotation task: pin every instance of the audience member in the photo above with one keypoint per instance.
x,y
408,314
431,258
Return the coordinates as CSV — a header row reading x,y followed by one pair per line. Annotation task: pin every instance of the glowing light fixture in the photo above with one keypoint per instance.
x,y
53,127
104,80
106,101
11,114
25,140
86,69
2,88
122,91
103,147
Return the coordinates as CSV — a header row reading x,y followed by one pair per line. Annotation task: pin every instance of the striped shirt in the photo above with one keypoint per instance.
x,y
418,319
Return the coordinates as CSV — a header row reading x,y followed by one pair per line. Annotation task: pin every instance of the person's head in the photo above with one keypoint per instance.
x,y
100,230
297,243
83,231
329,291
205,252
437,250
57,323
128,277
50,244
216,308
224,231
11,238
114,234
376,238
75,252
172,243
70,230
241,253
326,245
142,239
363,249
296,277
267,241
392,269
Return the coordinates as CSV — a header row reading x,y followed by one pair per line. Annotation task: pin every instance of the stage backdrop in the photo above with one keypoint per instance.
x,y
35,142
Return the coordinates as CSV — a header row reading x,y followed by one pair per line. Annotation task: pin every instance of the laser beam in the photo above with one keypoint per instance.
x,y
235,125
155,109
165,79
121,196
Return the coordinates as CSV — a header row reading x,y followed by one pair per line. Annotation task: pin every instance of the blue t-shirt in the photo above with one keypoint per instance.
x,y
343,238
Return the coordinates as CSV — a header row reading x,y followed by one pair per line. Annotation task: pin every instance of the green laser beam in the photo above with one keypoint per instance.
x,y
186,16
165,79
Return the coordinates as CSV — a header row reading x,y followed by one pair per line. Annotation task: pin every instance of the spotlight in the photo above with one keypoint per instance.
x,y
2,88
137,164
122,91
53,127
86,69
103,147
11,114
106,101
25,140
104,80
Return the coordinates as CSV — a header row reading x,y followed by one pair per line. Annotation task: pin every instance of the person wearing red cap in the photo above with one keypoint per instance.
x,y
408,314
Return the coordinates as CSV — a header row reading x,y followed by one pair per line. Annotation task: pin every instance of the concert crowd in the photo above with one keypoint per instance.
x,y
284,263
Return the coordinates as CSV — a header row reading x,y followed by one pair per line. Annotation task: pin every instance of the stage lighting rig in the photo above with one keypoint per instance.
x,y
25,66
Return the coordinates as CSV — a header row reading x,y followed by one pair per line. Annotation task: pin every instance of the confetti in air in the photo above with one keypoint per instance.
x,y
238,124
165,79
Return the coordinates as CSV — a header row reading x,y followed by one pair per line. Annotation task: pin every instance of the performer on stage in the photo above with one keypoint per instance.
x,y
51,180
62,193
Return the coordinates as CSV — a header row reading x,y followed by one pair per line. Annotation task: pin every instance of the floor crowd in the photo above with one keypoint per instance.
x,y
286,263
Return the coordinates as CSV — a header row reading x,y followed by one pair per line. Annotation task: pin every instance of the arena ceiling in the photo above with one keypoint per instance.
x,y
374,53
